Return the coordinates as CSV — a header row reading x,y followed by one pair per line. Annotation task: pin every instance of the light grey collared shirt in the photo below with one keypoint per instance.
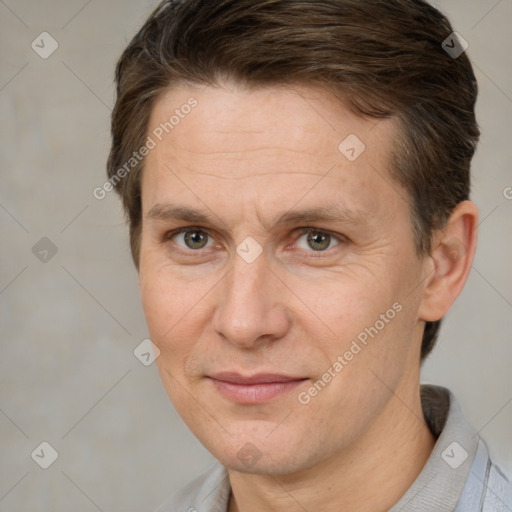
x,y
458,476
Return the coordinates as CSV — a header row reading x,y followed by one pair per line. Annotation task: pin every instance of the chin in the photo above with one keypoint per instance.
x,y
257,453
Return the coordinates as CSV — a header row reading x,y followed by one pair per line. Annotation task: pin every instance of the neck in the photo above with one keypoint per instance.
x,y
370,475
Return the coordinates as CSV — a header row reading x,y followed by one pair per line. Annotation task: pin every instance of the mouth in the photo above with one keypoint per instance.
x,y
255,389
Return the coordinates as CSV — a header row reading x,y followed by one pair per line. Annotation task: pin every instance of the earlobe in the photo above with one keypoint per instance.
x,y
450,261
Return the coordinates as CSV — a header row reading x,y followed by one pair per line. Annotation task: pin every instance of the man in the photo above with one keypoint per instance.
x,y
296,180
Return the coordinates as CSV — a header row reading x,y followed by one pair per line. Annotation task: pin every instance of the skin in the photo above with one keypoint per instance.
x,y
244,158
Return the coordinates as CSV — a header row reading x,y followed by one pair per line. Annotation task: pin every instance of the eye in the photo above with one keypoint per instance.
x,y
191,239
317,240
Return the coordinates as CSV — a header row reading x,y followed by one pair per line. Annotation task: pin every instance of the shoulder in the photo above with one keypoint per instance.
x,y
208,492
498,491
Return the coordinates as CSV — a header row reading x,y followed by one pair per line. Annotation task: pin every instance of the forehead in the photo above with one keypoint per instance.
x,y
241,118
266,145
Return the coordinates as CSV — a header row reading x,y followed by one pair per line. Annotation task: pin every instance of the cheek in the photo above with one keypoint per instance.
x,y
158,304
176,312
345,303
366,322
164,304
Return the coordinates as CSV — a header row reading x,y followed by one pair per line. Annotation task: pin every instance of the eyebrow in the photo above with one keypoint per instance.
x,y
168,212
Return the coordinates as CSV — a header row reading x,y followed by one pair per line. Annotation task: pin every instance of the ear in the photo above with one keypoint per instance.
x,y
448,266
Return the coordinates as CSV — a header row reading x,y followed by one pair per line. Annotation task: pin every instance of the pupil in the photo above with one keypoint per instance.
x,y
319,241
195,239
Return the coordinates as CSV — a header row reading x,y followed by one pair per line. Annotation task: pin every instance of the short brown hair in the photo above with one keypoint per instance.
x,y
383,57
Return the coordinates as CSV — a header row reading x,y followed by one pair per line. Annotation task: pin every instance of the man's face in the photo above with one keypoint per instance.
x,y
302,257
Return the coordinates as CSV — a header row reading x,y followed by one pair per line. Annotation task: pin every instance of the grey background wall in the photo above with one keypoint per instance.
x,y
69,321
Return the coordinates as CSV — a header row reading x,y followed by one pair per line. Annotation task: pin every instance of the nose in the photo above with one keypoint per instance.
x,y
251,309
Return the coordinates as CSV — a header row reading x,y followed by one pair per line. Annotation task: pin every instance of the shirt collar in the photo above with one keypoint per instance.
x,y
442,480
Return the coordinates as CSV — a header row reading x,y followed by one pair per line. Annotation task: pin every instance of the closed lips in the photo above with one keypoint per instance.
x,y
262,378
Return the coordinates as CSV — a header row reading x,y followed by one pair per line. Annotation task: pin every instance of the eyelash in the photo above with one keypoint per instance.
x,y
300,232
